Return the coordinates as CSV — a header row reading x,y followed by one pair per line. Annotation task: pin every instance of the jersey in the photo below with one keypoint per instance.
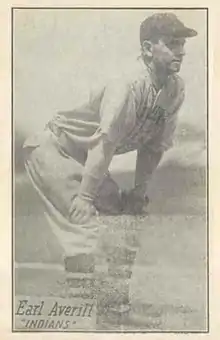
x,y
130,111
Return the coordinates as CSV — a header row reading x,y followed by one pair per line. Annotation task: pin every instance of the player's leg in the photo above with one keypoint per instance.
x,y
56,177
120,243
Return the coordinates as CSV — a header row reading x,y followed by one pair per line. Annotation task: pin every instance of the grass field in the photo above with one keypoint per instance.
x,y
169,285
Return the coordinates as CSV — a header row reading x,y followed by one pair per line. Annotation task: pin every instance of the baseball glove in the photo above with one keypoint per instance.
x,y
133,204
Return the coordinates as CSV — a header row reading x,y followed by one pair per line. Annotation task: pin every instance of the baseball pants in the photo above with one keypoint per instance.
x,y
57,176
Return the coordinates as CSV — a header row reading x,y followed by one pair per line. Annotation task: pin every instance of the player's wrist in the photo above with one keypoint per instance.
x,y
86,197
89,187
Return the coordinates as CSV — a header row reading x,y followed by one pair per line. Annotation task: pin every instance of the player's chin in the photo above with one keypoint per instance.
x,y
174,67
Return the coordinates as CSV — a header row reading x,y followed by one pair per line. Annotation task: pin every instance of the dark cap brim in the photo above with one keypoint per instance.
x,y
186,33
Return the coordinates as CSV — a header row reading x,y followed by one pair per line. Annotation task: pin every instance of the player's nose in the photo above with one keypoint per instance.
x,y
180,51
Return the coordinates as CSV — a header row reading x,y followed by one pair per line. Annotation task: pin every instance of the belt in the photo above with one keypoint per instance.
x,y
65,144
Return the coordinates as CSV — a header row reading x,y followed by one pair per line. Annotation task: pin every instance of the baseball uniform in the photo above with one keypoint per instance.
x,y
129,113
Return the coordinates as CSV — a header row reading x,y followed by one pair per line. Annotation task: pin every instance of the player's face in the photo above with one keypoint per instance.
x,y
167,54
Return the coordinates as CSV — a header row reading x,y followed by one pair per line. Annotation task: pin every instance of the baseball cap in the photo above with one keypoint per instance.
x,y
164,24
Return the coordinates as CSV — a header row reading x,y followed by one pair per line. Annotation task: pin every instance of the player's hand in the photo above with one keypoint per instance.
x,y
81,211
134,203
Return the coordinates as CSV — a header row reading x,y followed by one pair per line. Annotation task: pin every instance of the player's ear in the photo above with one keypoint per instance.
x,y
147,48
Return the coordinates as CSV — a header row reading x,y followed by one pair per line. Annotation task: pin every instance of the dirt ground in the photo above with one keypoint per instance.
x,y
169,284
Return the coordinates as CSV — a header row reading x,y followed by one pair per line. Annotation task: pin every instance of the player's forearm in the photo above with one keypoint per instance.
x,y
147,162
98,161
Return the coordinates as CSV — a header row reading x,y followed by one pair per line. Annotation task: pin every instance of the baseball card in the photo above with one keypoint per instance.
x,y
110,169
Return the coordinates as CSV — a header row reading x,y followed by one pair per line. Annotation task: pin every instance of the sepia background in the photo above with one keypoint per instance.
x,y
57,55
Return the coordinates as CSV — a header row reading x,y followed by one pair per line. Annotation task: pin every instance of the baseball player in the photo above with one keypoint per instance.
x,y
68,162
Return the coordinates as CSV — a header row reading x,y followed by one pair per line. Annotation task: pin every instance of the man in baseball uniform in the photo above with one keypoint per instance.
x,y
68,162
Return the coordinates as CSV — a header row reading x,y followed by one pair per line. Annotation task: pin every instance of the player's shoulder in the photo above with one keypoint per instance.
x,y
132,74
138,74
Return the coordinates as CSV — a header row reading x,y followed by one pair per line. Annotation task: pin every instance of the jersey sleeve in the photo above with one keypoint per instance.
x,y
117,117
117,110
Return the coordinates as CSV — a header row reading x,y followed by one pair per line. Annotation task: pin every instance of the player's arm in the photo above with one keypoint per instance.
x,y
99,158
146,164
136,199
149,158
98,161
115,108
